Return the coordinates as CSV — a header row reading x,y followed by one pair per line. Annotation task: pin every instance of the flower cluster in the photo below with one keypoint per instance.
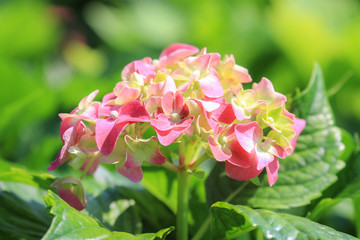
x,y
187,96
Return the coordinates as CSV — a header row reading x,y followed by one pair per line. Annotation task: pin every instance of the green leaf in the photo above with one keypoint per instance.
x,y
109,187
162,184
14,174
351,191
230,221
69,223
21,219
305,174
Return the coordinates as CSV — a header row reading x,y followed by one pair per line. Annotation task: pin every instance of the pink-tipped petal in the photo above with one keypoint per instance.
x,y
108,97
162,123
157,158
239,112
211,86
169,85
239,157
240,173
224,114
141,67
263,158
241,74
219,153
125,93
88,99
107,133
298,127
204,62
134,174
169,136
54,164
176,52
264,90
167,103
132,161
272,171
248,135
133,111
178,103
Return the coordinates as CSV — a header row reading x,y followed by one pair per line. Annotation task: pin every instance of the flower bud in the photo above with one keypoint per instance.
x,y
71,191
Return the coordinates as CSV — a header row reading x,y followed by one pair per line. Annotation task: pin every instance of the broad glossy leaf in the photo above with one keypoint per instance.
x,y
162,184
350,191
20,218
230,221
69,223
109,187
22,209
14,174
303,175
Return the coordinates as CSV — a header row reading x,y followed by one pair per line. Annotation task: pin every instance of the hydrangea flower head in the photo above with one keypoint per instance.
x,y
187,96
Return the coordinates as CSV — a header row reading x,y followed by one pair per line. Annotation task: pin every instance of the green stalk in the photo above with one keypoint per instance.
x,y
356,202
205,226
182,205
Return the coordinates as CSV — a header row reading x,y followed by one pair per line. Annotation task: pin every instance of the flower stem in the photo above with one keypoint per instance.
x,y
182,205
205,226
202,230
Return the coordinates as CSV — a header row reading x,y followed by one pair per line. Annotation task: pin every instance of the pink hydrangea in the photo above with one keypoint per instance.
x,y
187,96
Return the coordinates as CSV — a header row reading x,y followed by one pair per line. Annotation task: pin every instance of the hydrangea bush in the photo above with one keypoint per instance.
x,y
189,101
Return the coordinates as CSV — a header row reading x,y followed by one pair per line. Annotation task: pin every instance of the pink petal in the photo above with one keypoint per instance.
x,y
131,162
240,173
125,93
141,67
156,89
248,135
264,90
224,114
241,74
177,52
298,127
153,104
133,111
169,136
167,103
178,103
239,112
79,127
107,133
272,171
206,61
134,174
108,97
239,156
88,99
208,106
219,153
162,122
211,86
263,158
169,85
92,112
158,158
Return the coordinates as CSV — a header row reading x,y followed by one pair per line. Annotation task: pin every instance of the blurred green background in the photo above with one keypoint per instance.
x,y
53,53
